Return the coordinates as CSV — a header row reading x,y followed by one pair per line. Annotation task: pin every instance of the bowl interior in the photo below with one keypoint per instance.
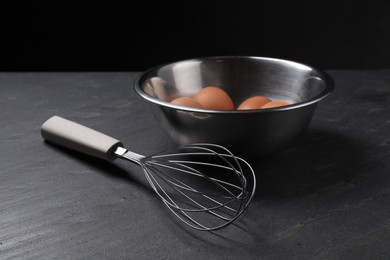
x,y
240,77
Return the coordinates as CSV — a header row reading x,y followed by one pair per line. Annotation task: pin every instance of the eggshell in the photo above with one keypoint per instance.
x,y
186,101
255,102
276,103
214,98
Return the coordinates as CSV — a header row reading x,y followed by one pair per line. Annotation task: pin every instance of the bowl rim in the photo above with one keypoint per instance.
x,y
324,76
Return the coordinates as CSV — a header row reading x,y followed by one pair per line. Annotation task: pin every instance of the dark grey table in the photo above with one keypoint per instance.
x,y
325,197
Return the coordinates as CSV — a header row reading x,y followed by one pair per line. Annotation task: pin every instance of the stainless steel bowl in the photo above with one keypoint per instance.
x,y
247,132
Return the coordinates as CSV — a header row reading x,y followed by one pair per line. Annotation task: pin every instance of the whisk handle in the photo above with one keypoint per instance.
x,y
79,138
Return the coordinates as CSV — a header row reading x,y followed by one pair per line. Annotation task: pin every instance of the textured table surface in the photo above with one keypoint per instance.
x,y
325,197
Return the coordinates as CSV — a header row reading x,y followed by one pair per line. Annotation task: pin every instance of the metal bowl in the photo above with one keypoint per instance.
x,y
257,132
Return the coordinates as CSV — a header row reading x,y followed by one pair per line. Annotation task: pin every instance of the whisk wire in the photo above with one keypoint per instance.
x,y
191,189
172,205
182,163
152,168
199,174
169,186
222,156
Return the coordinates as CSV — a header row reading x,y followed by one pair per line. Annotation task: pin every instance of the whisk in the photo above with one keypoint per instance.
x,y
204,185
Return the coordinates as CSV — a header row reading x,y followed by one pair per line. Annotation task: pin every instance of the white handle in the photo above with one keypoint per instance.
x,y
79,138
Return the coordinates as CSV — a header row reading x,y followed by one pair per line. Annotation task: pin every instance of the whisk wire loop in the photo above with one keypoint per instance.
x,y
167,173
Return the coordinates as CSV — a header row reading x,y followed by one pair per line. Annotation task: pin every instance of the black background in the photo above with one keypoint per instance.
x,y
99,36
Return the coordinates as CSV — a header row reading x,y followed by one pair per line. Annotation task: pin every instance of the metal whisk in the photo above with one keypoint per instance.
x,y
204,185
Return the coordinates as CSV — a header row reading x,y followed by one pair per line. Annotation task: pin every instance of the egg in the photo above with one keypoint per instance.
x,y
214,98
255,102
276,103
187,102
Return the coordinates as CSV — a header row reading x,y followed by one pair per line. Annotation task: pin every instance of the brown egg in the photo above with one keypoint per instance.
x,y
276,103
255,102
214,98
186,101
